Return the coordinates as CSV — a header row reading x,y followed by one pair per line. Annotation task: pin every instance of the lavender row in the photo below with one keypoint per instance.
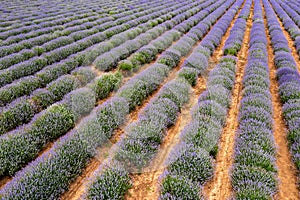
x,y
14,120
234,43
254,170
292,14
53,122
288,80
26,85
91,132
294,5
184,175
288,23
109,60
50,11
133,153
80,36
83,13
23,109
50,41
143,138
62,85
181,48
134,92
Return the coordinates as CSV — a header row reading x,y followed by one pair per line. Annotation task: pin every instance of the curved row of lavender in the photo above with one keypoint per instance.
x,y
46,42
30,13
294,5
234,42
109,59
290,11
26,85
289,82
34,27
190,164
134,91
84,39
12,116
145,54
254,170
285,13
62,27
134,95
141,143
59,88
88,29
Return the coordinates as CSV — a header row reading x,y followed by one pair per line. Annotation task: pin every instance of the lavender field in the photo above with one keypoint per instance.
x,y
150,99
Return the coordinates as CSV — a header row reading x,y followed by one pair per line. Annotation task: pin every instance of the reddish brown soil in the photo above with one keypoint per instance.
x,y
220,186
78,187
286,170
145,185
4,180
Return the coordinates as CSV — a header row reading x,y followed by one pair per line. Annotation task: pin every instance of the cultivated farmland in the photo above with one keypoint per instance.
x,y
150,99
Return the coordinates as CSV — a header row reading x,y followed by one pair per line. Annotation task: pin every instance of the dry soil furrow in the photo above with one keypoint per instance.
x,y
290,42
286,170
145,185
220,186
77,188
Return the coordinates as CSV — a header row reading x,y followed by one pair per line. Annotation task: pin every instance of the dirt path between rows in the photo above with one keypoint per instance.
x,y
78,187
220,186
4,180
286,170
290,41
146,185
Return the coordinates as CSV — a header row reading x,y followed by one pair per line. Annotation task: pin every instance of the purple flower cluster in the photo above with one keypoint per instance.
x,y
143,84
288,79
190,163
23,86
145,135
234,42
44,98
58,53
52,173
62,116
109,60
254,171
289,18
212,40
15,58
22,69
16,89
138,147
